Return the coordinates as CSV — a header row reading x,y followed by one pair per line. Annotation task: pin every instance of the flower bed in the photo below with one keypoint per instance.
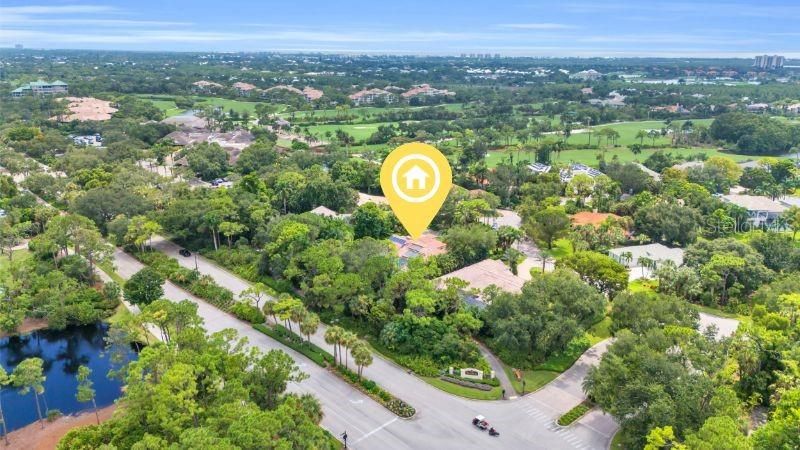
x,y
465,383
575,413
369,387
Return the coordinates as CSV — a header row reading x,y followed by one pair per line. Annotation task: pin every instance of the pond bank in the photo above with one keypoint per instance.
x,y
28,325
33,437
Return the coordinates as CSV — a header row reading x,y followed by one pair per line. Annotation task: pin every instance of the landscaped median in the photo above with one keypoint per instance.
x,y
575,413
325,359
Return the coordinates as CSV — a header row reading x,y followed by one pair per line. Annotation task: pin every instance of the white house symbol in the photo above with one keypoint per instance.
x,y
415,176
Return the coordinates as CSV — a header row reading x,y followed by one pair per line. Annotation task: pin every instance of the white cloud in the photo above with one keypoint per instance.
x,y
537,26
52,9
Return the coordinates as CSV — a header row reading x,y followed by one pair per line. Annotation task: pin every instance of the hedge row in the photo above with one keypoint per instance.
x,y
380,395
202,286
465,383
575,413
296,343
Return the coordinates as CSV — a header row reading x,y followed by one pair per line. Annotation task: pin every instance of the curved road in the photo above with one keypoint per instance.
x,y
442,420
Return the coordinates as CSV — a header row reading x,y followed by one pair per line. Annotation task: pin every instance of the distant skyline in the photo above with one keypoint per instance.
x,y
582,28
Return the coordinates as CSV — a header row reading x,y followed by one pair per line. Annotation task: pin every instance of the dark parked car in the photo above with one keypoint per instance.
x,y
184,252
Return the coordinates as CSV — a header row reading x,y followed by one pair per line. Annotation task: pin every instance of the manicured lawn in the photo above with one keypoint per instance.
x,y
534,379
363,114
561,248
166,103
359,131
461,391
623,154
642,285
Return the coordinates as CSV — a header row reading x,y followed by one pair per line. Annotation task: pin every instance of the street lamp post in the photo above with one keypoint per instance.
x,y
523,386
195,263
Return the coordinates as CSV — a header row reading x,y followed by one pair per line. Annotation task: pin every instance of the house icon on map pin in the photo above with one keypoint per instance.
x,y
416,178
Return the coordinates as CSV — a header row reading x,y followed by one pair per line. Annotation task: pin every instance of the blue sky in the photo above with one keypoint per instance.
x,y
701,28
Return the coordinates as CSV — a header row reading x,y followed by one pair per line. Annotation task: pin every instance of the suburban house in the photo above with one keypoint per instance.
x,y
41,88
327,212
427,91
307,92
761,211
204,86
426,245
594,219
575,169
479,276
233,142
85,109
645,258
793,108
539,168
652,173
757,107
586,75
92,140
370,96
244,89
367,198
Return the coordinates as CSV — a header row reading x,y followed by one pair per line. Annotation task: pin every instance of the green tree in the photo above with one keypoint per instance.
x,y
140,231
86,392
547,225
309,325
144,287
361,356
208,160
29,376
371,220
5,380
600,271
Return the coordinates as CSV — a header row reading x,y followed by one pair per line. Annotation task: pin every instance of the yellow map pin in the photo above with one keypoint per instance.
x,y
416,179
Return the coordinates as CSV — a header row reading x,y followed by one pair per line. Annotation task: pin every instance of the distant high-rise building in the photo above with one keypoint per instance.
x,y
769,61
18,46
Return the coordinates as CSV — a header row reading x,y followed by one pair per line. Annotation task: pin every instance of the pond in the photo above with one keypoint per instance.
x,y
63,351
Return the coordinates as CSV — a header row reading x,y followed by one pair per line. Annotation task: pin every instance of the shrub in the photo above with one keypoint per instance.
x,y
465,383
575,413
247,312
53,414
291,340
420,365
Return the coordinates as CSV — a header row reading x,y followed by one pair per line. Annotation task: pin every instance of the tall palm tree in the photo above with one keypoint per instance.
x,y
332,337
347,340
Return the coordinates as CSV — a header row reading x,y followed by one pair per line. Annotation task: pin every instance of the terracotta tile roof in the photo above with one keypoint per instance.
x,y
591,218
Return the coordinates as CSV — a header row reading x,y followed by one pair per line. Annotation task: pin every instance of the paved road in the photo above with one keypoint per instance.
x,y
442,420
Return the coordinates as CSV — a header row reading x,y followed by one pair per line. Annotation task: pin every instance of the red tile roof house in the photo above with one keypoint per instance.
x,y
370,96
244,89
308,92
205,86
426,90
426,245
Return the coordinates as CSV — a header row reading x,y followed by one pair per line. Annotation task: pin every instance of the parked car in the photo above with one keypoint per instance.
x,y
184,252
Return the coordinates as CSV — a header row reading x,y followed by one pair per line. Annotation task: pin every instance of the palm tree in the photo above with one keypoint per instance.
x,y
641,134
347,339
361,355
269,310
332,336
309,325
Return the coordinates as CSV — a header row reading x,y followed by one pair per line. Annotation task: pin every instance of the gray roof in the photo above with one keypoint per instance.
x,y
755,203
656,252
